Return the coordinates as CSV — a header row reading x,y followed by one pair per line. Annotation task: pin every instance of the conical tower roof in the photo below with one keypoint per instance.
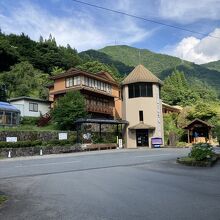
x,y
141,74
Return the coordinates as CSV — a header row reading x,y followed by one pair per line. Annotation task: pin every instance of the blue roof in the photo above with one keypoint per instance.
x,y
7,107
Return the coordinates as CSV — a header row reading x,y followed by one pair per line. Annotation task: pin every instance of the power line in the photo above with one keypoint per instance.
x,y
145,19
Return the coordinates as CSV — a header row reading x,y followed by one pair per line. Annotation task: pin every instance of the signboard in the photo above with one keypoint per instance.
x,y
11,139
120,144
156,141
87,136
62,136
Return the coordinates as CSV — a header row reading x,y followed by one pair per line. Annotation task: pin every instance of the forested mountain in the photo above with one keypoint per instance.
x,y
213,65
160,64
25,65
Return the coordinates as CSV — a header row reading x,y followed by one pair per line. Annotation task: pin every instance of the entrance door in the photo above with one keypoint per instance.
x,y
142,137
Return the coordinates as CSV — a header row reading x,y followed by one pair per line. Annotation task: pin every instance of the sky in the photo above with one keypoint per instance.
x,y
84,27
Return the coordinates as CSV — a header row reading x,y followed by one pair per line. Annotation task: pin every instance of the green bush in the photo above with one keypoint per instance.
x,y
201,151
57,143
20,144
29,120
181,144
106,138
36,143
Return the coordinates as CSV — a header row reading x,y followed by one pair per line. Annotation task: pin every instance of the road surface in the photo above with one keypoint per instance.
x,y
106,185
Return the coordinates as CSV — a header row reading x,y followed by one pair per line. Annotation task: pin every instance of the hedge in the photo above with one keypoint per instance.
x,y
37,143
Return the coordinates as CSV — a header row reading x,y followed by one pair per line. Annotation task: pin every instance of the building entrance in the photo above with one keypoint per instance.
x,y
142,137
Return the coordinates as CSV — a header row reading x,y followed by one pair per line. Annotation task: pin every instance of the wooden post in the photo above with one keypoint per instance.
x,y
188,136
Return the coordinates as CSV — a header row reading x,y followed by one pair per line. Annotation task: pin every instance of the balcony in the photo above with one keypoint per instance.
x,y
100,109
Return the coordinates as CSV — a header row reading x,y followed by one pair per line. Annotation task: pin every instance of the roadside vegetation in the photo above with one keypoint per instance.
x,y
3,198
201,154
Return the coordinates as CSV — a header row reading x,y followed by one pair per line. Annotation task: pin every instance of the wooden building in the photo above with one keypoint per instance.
x,y
199,131
101,91
167,109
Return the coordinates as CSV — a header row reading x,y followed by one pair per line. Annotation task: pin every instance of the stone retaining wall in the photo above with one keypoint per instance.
x,y
33,135
31,151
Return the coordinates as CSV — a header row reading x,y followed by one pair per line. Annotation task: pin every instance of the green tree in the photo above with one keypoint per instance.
x,y
68,109
176,90
203,111
23,80
95,67
56,70
3,96
8,54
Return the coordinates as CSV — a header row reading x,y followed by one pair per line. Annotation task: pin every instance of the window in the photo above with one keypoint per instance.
x,y
99,85
140,90
86,81
141,116
69,82
131,91
33,107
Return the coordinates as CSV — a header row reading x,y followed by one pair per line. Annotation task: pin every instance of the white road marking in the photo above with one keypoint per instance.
x,y
45,164
158,155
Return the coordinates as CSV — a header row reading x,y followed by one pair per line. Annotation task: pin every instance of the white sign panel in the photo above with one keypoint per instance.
x,y
11,139
62,136
120,144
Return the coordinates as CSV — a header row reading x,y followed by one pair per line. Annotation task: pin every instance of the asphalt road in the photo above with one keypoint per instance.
x,y
123,184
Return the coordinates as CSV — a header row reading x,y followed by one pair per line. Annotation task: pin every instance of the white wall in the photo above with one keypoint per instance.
x,y
23,106
152,111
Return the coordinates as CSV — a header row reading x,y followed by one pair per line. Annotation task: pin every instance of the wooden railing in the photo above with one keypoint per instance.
x,y
100,109
44,119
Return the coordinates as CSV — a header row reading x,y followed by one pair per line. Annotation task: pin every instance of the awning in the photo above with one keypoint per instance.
x,y
4,106
141,125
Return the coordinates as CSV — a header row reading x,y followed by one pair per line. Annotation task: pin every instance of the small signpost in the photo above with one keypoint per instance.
x,y
63,136
120,144
11,139
156,142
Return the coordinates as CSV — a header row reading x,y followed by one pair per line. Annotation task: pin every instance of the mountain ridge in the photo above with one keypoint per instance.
x,y
161,65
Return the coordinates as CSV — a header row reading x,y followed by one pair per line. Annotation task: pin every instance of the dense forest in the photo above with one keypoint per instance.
x,y
25,67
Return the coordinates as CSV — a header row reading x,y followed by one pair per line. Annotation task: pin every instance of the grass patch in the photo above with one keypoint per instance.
x,y
3,198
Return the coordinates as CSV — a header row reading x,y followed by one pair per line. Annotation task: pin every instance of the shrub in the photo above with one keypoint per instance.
x,y
201,151
181,144
36,143
29,120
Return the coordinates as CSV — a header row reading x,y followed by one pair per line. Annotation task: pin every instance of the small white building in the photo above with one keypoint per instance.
x,y
31,107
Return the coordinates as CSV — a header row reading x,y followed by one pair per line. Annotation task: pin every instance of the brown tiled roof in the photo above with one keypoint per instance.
x,y
141,74
74,71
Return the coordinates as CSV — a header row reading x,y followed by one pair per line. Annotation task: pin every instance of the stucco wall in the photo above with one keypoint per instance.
x,y
152,112
23,106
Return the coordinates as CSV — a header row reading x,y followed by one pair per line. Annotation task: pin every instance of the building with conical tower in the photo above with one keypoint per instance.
x,y
142,107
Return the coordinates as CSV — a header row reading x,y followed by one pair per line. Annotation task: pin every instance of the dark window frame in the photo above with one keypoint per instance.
x,y
34,104
142,89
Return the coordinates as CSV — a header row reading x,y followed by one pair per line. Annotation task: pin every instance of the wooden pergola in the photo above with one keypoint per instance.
x,y
199,131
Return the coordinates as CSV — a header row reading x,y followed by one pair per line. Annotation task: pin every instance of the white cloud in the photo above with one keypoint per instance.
x,y
196,50
188,11
79,30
